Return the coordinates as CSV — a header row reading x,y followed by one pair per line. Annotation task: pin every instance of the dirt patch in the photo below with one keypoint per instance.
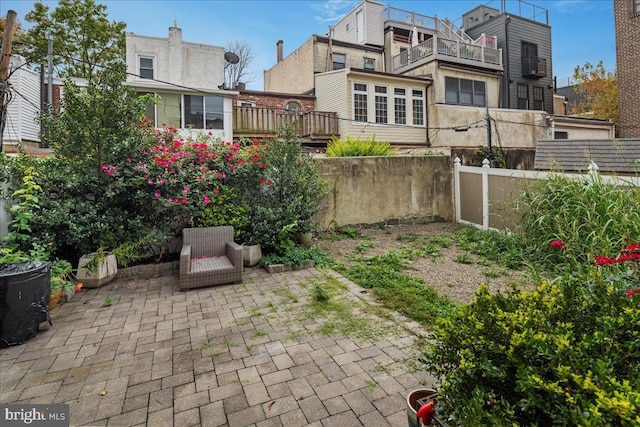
x,y
452,271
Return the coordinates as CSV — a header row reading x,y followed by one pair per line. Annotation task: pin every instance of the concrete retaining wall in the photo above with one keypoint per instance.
x,y
388,190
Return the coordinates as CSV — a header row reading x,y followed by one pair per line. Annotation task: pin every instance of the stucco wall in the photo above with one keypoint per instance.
x,y
372,190
188,64
294,74
510,128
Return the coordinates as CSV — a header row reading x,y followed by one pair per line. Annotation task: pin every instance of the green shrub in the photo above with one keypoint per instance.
x,y
354,147
113,180
226,208
564,354
494,156
84,208
283,191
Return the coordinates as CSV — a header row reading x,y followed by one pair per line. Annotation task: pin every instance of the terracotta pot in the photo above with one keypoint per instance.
x,y
54,298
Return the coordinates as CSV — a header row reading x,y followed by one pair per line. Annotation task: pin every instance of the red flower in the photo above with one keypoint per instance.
x,y
558,244
603,260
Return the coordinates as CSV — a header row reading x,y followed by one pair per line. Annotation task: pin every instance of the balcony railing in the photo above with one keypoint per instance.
x,y
448,49
267,121
534,67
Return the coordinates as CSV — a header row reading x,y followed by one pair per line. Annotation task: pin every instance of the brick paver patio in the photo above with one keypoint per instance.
x,y
235,355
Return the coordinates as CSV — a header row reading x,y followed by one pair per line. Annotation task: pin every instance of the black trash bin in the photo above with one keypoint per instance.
x,y
24,300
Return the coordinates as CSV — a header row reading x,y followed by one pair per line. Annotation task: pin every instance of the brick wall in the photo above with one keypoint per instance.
x,y
276,100
628,63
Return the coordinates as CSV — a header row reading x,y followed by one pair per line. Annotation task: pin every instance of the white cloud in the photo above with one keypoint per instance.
x,y
330,11
571,6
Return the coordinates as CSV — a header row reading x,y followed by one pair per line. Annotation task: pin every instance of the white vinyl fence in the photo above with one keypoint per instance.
x,y
487,197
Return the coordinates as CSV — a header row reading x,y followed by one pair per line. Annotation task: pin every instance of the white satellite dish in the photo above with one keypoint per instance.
x,y
231,58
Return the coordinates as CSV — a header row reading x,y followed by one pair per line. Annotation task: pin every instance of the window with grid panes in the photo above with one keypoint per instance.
x,y
523,97
381,104
417,97
400,104
538,98
360,102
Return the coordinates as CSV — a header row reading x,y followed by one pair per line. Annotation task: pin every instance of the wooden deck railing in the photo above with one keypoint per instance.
x,y
267,121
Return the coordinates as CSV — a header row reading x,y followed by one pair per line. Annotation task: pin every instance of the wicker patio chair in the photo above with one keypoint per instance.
x,y
209,256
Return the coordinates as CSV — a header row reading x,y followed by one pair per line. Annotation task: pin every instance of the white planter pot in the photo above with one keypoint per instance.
x,y
251,254
99,275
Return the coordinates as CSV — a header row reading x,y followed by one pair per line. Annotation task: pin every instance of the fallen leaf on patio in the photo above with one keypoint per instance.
x,y
270,404
103,393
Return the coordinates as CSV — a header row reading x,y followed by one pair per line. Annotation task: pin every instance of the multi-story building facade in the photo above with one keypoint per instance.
x,y
524,37
419,80
187,78
627,24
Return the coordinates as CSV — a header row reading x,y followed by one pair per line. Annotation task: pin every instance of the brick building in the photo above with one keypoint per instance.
x,y
627,21
279,101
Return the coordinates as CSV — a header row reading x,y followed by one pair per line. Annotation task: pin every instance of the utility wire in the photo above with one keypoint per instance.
x,y
367,123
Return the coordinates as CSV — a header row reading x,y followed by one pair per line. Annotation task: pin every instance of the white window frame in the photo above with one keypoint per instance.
x,y
205,114
383,97
153,67
417,96
399,117
364,93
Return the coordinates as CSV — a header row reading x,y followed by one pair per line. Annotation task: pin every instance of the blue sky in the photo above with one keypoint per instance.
x,y
582,30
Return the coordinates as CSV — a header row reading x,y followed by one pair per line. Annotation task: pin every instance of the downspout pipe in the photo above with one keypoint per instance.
x,y
507,78
426,112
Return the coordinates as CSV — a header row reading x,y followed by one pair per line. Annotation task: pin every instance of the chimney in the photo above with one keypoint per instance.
x,y
279,50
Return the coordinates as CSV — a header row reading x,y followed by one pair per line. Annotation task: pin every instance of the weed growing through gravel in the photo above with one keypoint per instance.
x,y
396,290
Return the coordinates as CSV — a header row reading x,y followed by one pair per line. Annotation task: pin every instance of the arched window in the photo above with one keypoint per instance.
x,y
292,107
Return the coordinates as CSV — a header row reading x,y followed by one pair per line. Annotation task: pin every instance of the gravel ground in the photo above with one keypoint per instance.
x,y
459,281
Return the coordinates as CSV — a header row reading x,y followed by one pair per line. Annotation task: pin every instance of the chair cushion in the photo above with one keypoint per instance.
x,y
203,264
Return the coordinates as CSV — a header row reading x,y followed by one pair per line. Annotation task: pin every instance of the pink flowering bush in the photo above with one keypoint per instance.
x,y
180,175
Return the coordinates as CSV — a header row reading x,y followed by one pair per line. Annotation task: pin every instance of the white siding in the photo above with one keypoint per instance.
x,y
374,24
332,95
334,92
347,28
23,111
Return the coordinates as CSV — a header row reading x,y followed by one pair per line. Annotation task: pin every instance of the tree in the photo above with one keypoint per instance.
x,y
598,90
239,72
17,29
83,38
